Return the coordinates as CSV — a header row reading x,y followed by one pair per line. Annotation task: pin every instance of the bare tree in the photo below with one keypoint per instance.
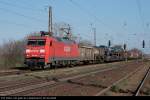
x,y
12,53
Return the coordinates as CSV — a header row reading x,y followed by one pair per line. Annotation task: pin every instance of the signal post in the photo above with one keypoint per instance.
x,y
125,52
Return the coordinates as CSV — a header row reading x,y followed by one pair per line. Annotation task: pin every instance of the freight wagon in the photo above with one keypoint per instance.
x,y
91,54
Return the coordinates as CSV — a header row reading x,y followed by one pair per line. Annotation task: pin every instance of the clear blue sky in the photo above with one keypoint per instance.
x,y
118,20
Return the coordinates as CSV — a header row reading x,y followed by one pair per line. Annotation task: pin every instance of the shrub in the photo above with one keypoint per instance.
x,y
115,89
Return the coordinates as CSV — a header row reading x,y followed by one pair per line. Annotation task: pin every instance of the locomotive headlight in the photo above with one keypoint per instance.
x,y
28,50
42,51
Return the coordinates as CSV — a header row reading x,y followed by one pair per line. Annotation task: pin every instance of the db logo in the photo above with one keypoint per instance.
x,y
67,49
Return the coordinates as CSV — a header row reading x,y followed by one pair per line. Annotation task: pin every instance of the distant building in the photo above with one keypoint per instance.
x,y
134,53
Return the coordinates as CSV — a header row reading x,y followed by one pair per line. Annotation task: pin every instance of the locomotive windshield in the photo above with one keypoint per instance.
x,y
36,42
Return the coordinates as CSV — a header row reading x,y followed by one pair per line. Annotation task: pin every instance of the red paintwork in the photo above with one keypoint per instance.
x,y
58,49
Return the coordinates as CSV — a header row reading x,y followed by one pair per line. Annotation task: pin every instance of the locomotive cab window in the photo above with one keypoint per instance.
x,y
41,42
36,42
32,42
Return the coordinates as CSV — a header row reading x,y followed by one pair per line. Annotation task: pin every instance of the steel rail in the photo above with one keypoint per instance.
x,y
142,83
115,83
21,72
52,82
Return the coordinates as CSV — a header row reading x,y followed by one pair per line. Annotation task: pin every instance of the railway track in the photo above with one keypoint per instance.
x,y
20,72
55,82
12,73
115,83
52,82
102,88
12,84
141,85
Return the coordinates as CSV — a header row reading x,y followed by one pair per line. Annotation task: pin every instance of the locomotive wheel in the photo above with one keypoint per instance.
x,y
50,66
43,67
31,68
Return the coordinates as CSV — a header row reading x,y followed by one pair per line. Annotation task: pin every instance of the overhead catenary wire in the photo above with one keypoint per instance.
x,y
142,19
14,23
91,14
22,7
97,19
19,14
140,14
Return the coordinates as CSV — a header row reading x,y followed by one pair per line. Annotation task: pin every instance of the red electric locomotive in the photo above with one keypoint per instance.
x,y
48,50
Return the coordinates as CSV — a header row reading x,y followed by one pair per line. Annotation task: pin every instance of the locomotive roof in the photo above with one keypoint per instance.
x,y
36,37
65,40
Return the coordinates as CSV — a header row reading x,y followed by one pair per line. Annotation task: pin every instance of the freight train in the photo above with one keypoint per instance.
x,y
45,50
